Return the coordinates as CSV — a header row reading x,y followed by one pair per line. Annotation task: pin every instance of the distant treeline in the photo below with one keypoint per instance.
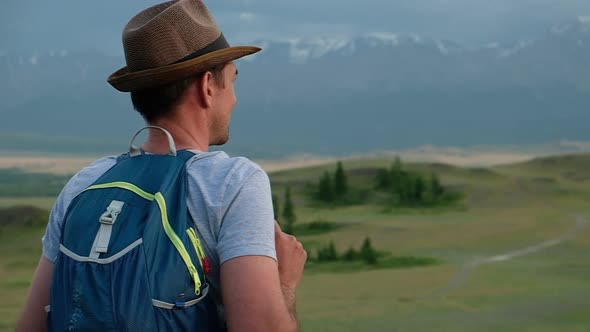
x,y
23,215
407,188
411,188
16,183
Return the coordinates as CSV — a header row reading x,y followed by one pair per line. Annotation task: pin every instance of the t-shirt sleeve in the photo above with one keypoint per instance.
x,y
52,235
247,226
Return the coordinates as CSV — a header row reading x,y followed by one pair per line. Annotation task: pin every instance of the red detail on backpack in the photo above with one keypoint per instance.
x,y
206,265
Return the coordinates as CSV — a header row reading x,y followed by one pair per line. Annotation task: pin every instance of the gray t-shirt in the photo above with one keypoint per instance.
x,y
229,200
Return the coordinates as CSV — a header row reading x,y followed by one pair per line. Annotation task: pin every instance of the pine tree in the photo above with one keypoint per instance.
x,y
419,188
288,213
340,181
436,187
404,188
333,254
326,192
328,253
397,165
368,254
350,254
383,179
396,178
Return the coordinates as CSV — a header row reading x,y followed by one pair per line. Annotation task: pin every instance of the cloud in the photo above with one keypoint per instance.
x,y
474,22
30,25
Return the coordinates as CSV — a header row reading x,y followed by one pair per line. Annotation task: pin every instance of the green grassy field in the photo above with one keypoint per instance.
x,y
514,255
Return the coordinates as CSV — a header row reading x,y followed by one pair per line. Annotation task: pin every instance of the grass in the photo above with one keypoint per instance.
x,y
387,262
316,227
503,209
40,202
21,249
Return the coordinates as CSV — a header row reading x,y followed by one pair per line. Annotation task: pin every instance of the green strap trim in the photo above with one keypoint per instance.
x,y
178,243
159,198
124,185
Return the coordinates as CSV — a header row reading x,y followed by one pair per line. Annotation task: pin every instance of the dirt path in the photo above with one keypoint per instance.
x,y
461,278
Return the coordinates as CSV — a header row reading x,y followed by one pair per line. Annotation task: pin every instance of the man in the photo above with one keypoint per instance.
x,y
181,74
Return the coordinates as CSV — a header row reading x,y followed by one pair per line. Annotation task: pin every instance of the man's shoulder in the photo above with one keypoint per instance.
x,y
220,164
218,167
86,176
98,167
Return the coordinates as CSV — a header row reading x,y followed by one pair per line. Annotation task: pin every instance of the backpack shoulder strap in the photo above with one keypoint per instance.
x,y
185,155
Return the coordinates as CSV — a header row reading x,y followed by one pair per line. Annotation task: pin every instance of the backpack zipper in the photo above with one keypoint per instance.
x,y
205,264
159,198
196,243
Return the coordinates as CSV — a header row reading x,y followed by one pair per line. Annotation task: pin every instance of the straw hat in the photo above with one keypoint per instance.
x,y
172,41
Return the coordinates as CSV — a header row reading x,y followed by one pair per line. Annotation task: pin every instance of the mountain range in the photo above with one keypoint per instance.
x,y
328,95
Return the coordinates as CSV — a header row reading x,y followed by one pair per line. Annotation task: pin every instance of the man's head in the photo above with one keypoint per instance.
x,y
173,48
161,101
211,92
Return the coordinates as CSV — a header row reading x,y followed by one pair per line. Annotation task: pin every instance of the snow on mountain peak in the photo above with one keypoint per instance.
x,y
383,37
560,29
580,24
60,53
324,45
492,45
416,38
303,49
513,50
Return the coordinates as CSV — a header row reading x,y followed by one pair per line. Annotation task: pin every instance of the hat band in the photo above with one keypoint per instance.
x,y
218,44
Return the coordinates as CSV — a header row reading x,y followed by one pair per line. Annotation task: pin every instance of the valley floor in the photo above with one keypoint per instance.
x,y
513,256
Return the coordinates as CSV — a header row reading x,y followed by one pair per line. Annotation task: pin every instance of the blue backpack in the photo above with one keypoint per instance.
x,y
130,258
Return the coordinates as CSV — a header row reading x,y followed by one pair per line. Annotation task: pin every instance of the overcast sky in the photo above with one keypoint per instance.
x,y
41,25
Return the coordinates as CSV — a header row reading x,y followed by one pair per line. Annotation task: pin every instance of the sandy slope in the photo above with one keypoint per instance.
x,y
448,155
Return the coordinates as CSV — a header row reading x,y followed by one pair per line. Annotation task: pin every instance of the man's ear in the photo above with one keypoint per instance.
x,y
205,89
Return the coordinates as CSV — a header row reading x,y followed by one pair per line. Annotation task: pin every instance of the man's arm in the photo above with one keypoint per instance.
x,y
34,317
258,293
253,297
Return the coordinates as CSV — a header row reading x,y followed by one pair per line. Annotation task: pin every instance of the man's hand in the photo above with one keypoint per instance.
x,y
291,258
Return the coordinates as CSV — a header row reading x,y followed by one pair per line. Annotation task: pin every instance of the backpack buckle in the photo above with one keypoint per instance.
x,y
110,215
103,236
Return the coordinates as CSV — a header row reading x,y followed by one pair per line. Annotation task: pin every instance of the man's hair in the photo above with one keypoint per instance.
x,y
161,101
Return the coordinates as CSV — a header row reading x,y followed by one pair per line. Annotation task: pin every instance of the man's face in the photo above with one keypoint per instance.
x,y
225,101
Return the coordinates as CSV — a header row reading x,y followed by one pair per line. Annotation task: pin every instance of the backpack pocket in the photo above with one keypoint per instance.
x,y
188,314
109,294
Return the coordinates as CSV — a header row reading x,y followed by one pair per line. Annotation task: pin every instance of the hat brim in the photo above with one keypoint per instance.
x,y
125,81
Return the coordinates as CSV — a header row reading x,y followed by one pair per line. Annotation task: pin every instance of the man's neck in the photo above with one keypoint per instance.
x,y
188,130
